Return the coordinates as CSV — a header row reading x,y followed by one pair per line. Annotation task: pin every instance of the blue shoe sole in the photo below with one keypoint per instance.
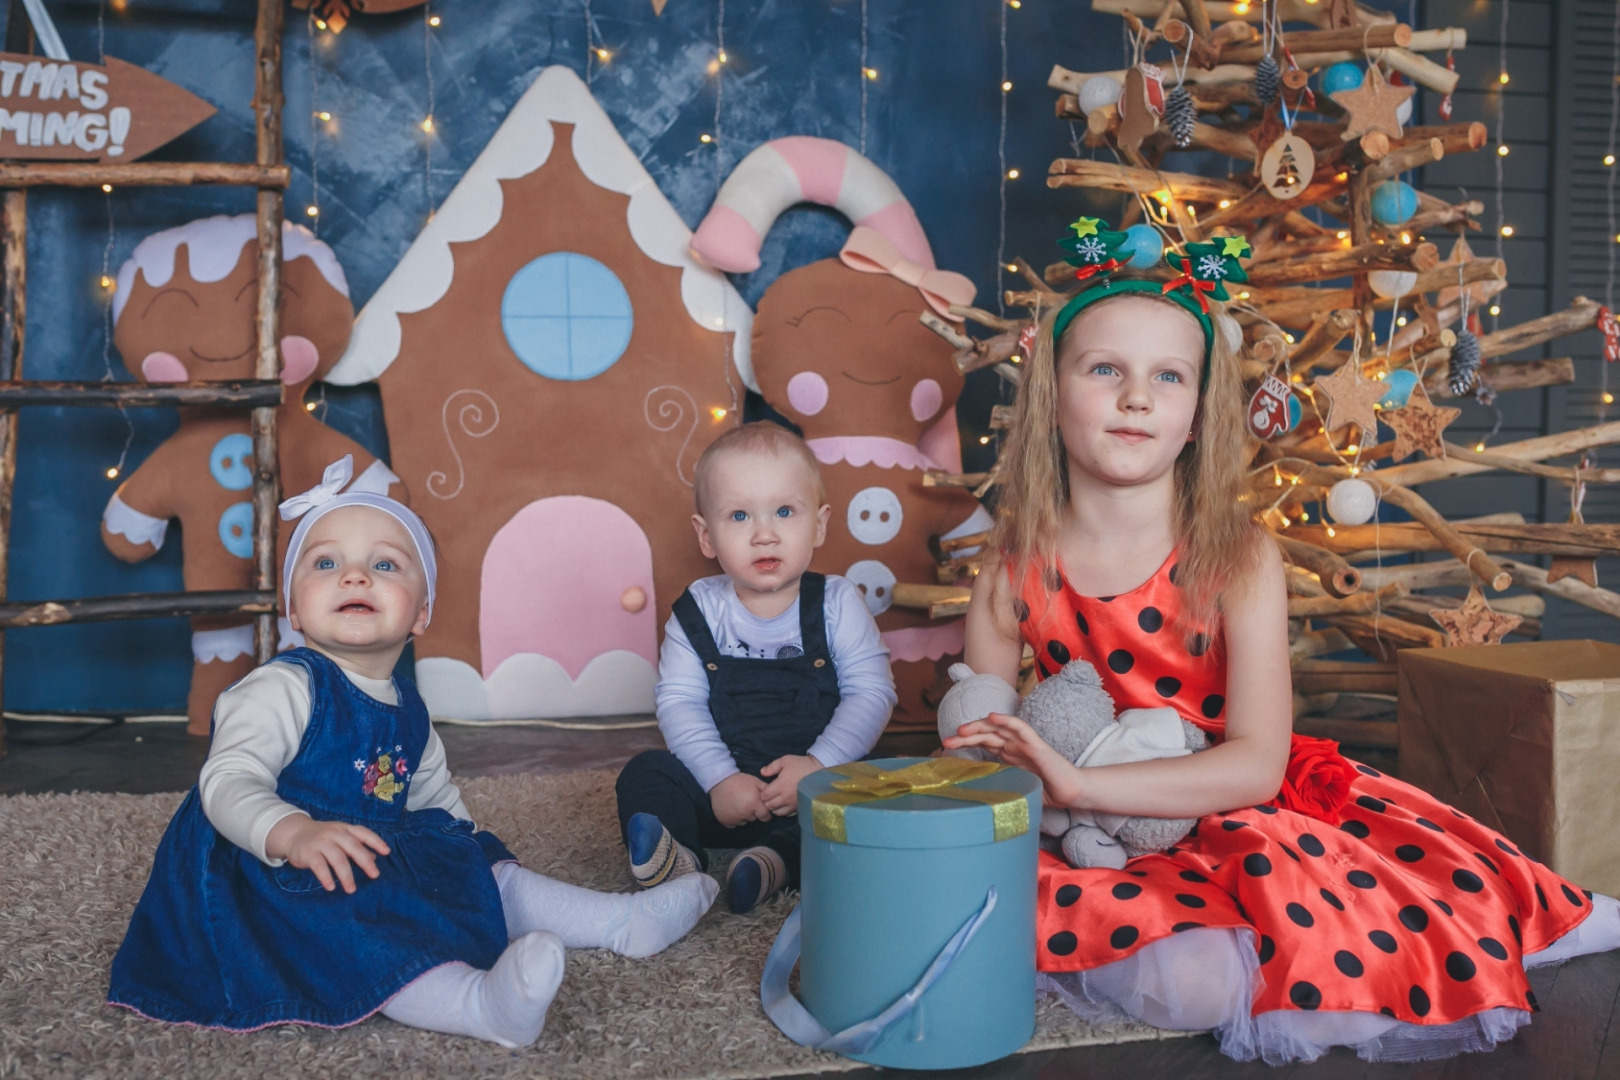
x,y
642,837
742,886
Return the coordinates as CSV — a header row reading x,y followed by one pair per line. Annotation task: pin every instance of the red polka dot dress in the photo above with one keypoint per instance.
x,y
1395,904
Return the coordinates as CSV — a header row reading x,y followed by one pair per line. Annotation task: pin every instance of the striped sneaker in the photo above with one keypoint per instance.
x,y
655,856
754,876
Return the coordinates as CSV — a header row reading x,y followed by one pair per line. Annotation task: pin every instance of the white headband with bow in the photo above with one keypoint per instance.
x,y
327,496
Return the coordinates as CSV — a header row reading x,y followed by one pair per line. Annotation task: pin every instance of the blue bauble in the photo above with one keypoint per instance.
x,y
1394,202
1296,411
1345,75
1398,388
1145,246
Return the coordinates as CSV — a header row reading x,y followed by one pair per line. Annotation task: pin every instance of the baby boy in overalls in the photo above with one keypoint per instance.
x,y
767,673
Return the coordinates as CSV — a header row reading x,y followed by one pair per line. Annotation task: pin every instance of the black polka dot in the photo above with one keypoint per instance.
x,y
1530,1000
1367,770
1442,905
1180,926
1212,706
1264,809
1080,621
1414,918
1121,661
1198,645
1348,963
1305,995
1150,619
1062,943
1310,845
1541,898
1126,890
1505,846
1124,937
1409,853
1571,895
1418,1000
1105,599
1459,967
1387,1011
1300,915
1137,873
1361,879
1058,651
1513,925
1189,900
1493,948
1288,851
1233,826
1383,940
1268,949
1020,611
1367,802
1466,880
1193,876
1172,574
1489,865
1167,686
1427,824
1357,829
1328,895
1067,895
1256,865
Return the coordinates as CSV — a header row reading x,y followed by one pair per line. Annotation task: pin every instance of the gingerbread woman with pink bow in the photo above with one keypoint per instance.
x,y
838,349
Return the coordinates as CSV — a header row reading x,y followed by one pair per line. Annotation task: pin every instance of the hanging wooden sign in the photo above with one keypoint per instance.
x,y
65,111
1287,166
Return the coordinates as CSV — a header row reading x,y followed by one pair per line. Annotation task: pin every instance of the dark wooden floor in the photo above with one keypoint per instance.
x,y
1576,1036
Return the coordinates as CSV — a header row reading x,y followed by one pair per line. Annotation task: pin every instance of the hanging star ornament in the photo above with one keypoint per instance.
x,y
1372,106
1474,623
1417,425
1478,291
1562,566
1350,399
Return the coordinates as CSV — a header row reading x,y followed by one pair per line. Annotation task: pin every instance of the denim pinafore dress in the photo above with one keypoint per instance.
x,y
220,939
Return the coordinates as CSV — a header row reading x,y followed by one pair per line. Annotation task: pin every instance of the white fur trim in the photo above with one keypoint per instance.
x,y
124,520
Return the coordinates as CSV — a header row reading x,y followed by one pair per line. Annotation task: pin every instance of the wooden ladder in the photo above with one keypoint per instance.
x,y
269,174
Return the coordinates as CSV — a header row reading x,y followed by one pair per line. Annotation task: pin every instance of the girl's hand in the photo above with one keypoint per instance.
x,y
1016,743
326,848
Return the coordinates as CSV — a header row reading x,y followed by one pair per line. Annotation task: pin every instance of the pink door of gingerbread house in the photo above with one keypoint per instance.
x,y
569,578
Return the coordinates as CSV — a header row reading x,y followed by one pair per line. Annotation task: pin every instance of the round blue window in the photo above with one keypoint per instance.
x,y
566,316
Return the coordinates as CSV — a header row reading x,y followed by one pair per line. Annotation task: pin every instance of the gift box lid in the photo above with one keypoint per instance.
x,y
920,803
1576,660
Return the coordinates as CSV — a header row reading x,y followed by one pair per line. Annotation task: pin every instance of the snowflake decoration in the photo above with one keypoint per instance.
x,y
359,764
1211,267
1092,249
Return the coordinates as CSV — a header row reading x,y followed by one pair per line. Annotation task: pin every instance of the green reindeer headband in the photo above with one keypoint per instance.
x,y
1098,251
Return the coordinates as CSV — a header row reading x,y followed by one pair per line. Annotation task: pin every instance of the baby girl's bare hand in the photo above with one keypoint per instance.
x,y
738,799
781,795
326,848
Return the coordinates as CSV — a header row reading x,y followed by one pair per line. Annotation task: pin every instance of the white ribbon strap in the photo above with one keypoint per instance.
x,y
332,481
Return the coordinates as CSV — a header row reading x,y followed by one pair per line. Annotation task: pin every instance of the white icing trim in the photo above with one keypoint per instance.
x,y
521,145
232,641
527,686
124,520
376,479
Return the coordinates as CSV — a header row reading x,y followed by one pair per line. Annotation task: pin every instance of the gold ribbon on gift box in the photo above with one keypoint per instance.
x,y
936,776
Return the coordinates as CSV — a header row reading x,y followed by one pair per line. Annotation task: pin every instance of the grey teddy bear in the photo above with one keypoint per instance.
x,y
1074,714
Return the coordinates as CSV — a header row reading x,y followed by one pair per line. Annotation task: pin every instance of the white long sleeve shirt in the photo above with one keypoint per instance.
x,y
865,682
258,725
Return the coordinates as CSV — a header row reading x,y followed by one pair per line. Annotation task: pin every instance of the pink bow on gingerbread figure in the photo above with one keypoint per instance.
x,y
838,349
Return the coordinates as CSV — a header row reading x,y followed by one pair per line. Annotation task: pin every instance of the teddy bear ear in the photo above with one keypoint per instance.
x,y
958,672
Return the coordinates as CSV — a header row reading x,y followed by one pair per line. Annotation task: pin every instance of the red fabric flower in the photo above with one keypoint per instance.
x,y
1317,782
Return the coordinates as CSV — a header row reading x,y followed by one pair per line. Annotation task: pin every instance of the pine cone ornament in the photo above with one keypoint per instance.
x,y
1464,369
1180,114
1267,80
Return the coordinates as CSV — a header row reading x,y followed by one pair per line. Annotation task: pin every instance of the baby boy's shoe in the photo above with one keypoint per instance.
x,y
655,856
754,876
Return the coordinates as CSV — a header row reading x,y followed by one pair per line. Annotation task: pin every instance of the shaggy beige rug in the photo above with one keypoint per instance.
x,y
72,867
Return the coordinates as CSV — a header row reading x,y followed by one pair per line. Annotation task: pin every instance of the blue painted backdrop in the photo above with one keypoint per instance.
x,y
932,120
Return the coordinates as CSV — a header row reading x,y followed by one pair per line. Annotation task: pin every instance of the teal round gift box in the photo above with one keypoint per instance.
x,y
887,882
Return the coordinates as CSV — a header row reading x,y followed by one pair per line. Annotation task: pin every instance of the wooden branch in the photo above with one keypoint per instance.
x,y
1413,155
945,330
1362,734
247,393
267,105
1460,216
1305,43
939,478
1459,138
1309,643
1416,609
1506,375
1402,633
1199,49
973,540
985,318
143,174
1344,261
1581,315
1551,472
1325,334
1360,603
1574,541
1420,69
138,606
1338,577
1218,10
1562,444
1078,172
1535,578
924,597
1345,677
13,324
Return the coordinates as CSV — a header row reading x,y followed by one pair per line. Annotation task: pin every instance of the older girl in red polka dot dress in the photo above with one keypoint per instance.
x,y
1336,905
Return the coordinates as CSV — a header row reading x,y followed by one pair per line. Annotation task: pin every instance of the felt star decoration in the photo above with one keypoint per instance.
x,y
1084,226
1474,623
1478,291
1235,246
1350,399
1417,425
1372,105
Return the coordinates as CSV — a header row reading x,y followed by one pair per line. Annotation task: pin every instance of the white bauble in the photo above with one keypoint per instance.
x,y
1403,112
1352,502
1098,91
1392,283
1231,333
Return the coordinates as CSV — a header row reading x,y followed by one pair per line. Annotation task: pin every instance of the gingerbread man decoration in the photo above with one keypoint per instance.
x,y
838,349
184,311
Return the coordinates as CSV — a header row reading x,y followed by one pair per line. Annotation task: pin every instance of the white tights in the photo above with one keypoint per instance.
x,y
508,1003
